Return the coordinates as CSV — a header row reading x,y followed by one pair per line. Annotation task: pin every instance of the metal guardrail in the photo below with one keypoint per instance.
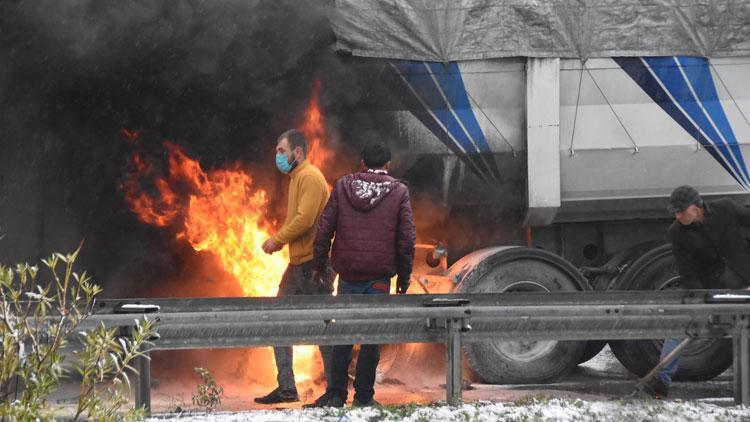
x,y
452,319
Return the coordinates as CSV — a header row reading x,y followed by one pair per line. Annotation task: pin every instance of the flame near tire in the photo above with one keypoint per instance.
x,y
221,211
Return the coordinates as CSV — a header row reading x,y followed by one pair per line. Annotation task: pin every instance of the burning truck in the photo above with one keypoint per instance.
x,y
530,174
540,142
561,127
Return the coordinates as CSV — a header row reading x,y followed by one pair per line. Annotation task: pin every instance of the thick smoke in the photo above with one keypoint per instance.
x,y
222,79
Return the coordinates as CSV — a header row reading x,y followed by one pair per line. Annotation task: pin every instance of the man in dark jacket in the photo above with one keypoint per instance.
x,y
709,251
370,214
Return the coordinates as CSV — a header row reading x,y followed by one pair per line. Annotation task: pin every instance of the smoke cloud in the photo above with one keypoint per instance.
x,y
223,79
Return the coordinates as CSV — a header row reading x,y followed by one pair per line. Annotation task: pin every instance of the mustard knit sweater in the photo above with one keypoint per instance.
x,y
308,195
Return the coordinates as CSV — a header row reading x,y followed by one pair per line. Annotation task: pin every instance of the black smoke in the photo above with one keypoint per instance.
x,y
221,78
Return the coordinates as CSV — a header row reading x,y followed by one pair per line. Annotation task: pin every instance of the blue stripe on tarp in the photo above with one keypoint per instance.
x,y
698,72
452,84
419,78
668,71
417,75
636,69
424,116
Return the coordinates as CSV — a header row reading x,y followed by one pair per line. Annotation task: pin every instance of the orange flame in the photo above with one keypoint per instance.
x,y
220,211
217,211
314,130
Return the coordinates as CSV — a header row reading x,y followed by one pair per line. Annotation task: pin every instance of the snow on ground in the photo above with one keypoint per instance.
x,y
591,393
525,410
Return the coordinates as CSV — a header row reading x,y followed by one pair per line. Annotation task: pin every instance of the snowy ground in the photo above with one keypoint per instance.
x,y
593,393
537,409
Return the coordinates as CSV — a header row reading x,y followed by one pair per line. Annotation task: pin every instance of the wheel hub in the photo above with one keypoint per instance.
x,y
525,351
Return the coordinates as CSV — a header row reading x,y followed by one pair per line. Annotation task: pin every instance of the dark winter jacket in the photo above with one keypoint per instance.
x,y
702,251
370,215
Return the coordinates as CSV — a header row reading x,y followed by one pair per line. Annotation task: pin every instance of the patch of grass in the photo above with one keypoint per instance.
x,y
521,418
532,399
339,414
402,410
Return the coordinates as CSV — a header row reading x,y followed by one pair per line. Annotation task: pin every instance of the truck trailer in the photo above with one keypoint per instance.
x,y
568,124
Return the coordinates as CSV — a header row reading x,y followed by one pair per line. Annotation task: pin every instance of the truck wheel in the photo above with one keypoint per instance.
x,y
623,259
702,360
518,269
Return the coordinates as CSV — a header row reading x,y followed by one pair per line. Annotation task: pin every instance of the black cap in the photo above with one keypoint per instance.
x,y
683,197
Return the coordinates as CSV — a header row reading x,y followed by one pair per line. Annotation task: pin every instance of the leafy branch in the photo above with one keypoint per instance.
x,y
37,319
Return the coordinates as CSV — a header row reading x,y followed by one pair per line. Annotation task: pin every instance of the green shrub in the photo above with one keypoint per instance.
x,y
37,319
209,393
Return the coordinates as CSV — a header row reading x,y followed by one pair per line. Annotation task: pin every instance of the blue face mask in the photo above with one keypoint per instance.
x,y
282,163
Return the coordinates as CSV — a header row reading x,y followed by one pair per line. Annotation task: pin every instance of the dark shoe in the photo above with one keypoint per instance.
x,y
321,401
657,388
365,403
326,400
278,396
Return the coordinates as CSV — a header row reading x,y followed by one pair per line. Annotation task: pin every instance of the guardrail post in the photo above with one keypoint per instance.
x,y
453,355
453,327
143,386
741,364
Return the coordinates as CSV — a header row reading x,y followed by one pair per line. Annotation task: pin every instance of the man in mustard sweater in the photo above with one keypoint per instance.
x,y
308,194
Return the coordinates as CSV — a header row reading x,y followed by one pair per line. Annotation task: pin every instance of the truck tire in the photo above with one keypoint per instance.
x,y
702,360
623,259
516,269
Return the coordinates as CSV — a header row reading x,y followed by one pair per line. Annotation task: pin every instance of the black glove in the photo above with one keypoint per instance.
x,y
402,285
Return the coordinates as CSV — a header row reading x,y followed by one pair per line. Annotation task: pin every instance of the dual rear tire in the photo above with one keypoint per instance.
x,y
518,269
702,360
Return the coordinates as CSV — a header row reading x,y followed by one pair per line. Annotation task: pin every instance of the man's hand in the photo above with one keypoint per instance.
x,y
316,276
324,279
270,246
402,285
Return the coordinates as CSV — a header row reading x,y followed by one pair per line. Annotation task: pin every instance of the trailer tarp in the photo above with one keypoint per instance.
x,y
447,30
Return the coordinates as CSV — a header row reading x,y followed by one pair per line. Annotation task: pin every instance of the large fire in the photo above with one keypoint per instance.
x,y
220,211
314,131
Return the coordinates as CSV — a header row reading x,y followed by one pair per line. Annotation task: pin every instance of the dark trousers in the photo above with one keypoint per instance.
x,y
297,280
369,354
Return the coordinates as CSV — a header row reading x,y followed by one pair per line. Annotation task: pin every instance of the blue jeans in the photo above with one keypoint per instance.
x,y
668,371
369,354
725,279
